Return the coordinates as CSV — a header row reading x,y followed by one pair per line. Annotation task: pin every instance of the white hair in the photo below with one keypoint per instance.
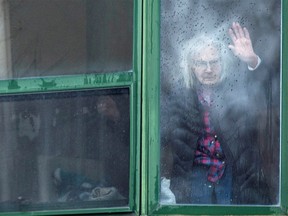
x,y
193,46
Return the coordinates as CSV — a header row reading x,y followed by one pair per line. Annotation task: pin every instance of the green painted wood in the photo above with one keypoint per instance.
x,y
150,106
135,169
284,118
45,84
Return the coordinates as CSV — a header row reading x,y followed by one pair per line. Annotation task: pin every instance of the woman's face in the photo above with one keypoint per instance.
x,y
206,66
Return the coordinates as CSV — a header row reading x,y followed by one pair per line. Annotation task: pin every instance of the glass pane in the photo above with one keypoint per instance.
x,y
59,37
220,102
66,150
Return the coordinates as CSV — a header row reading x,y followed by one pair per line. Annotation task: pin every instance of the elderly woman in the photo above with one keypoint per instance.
x,y
212,133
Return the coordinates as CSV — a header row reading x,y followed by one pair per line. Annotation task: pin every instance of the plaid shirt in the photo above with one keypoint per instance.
x,y
209,151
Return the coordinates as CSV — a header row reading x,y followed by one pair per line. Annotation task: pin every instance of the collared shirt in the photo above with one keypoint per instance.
x,y
209,151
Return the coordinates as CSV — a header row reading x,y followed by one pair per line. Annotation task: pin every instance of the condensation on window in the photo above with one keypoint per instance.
x,y
220,102
62,37
66,150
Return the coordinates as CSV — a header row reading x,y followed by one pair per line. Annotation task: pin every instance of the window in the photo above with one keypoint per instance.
x,y
195,49
64,37
69,106
122,107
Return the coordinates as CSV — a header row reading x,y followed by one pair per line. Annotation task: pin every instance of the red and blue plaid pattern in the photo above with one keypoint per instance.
x,y
209,151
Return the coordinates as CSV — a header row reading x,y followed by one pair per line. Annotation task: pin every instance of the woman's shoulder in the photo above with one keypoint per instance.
x,y
182,114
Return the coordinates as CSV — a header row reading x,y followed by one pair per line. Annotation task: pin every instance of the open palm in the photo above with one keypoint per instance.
x,y
242,45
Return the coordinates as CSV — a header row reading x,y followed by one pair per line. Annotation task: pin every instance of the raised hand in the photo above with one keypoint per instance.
x,y
242,45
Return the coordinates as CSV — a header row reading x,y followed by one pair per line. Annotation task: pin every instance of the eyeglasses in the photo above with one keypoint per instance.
x,y
205,64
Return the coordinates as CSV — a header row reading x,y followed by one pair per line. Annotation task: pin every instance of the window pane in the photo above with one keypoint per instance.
x,y
220,102
59,37
65,150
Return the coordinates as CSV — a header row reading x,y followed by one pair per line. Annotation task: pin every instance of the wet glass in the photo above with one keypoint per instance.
x,y
220,105
65,37
65,150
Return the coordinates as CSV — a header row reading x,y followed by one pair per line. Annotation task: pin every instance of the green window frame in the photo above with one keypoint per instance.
x,y
109,80
151,128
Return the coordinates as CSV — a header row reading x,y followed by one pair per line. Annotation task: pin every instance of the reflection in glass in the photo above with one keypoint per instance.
x,y
220,102
59,37
65,150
